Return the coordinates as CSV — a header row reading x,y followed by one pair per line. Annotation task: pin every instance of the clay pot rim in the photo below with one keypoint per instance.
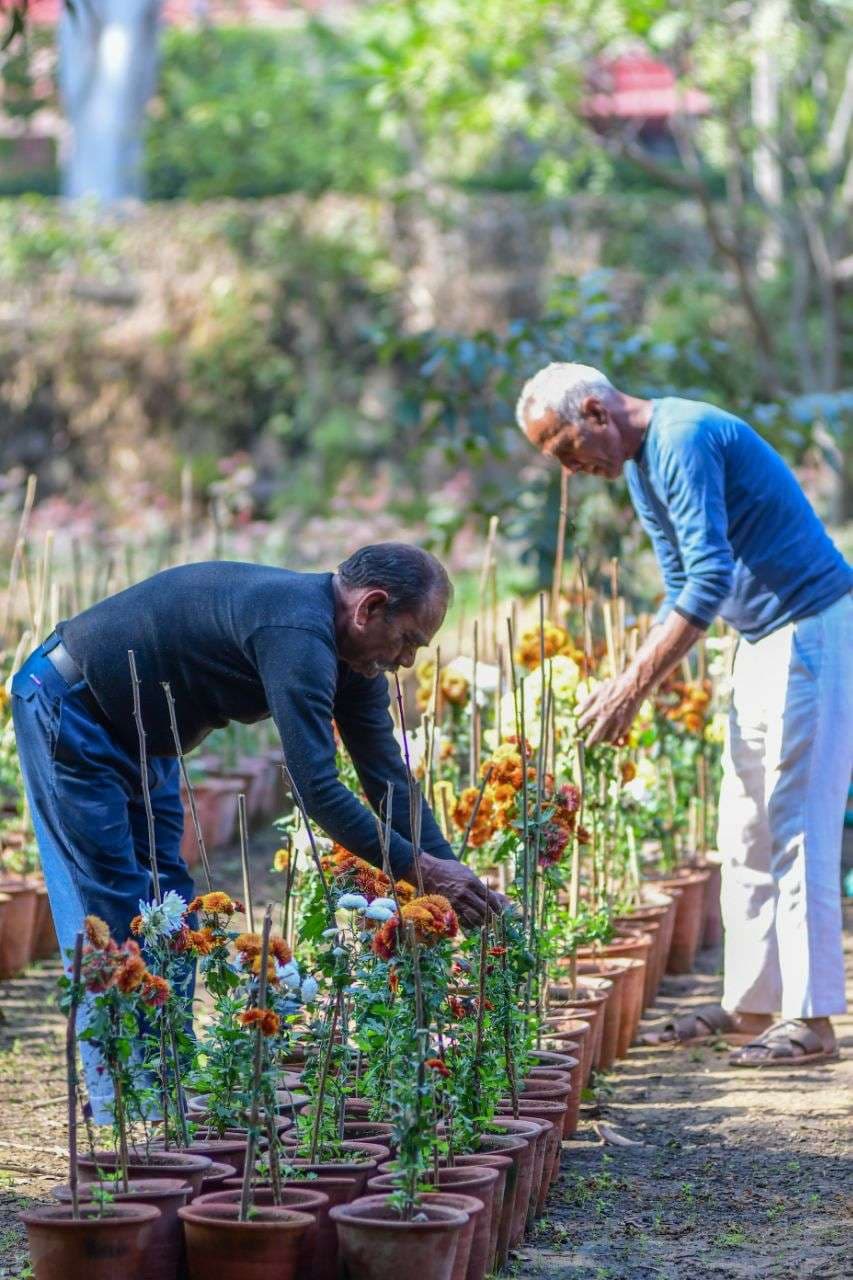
x,y
60,1214
477,1173
472,1207
375,1210
218,1168
231,1195
136,1187
272,1217
172,1160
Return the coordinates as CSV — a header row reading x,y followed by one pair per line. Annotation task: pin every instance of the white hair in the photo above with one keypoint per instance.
x,y
561,388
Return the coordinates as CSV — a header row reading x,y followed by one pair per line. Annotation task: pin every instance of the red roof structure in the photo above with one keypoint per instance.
x,y
635,86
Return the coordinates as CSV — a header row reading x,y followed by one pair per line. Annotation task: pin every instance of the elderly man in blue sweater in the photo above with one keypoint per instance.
x,y
735,536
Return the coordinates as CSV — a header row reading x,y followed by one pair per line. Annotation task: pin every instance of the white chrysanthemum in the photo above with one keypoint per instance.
x,y
352,902
162,919
377,912
309,990
387,903
487,676
289,974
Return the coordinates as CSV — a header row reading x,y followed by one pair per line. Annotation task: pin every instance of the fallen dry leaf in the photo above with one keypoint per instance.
x,y
613,1138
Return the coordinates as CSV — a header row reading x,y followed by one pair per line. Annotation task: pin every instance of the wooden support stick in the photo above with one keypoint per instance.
x,y
143,772
559,554
244,861
71,1073
173,722
258,1064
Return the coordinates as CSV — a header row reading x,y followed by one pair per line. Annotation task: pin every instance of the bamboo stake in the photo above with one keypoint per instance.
x,y
414,793
244,861
71,1073
474,755
315,854
557,583
248,1172
176,738
143,772
484,782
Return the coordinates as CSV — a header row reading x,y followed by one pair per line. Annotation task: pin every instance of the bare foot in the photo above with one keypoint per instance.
x,y
751,1024
823,1028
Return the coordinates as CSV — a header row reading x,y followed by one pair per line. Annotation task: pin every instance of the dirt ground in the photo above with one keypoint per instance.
x,y
738,1174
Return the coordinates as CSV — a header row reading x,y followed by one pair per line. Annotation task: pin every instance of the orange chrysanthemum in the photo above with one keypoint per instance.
x,y
248,944
267,1019
155,990
432,916
131,974
454,688
97,932
204,941
384,943
215,903
136,926
280,950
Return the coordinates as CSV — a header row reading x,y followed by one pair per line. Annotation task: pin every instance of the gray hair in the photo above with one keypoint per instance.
x,y
561,388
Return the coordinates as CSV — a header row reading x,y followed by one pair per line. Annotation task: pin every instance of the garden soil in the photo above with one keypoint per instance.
x,y
735,1173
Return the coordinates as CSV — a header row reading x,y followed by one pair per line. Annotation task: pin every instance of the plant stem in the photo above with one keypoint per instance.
x,y
143,773
71,1072
173,722
321,1083
248,1173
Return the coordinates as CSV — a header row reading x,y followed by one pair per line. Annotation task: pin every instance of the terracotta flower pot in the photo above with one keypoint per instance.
x,y
579,1031
503,1165
325,1262
519,1151
370,1131
366,1157
160,1164
93,1247
588,1001
530,1175
214,1177
712,915
18,925
689,916
478,1181
165,1248
232,1150
304,1199
632,973
44,944
553,1059
636,946
543,1109
616,1011
470,1261
375,1243
267,1247
573,1097
657,921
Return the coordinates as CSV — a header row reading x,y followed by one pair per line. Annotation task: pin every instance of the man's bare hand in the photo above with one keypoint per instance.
x,y
458,883
610,711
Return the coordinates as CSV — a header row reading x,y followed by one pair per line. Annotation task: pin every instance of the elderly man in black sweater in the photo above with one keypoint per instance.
x,y
234,642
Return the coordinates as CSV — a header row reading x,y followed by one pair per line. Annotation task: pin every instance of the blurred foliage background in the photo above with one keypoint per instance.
x,y
363,231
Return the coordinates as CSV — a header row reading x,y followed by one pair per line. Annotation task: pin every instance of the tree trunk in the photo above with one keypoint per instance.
x,y
108,69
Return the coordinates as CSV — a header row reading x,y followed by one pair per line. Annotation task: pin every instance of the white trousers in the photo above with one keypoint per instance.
x,y
786,770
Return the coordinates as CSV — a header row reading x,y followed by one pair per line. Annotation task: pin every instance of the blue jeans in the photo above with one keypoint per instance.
x,y
85,796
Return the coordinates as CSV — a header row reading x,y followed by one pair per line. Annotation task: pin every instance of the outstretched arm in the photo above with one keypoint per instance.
x,y
362,714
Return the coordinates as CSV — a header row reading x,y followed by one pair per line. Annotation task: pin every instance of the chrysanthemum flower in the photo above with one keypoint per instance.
x,y
155,990
97,932
214,903
384,942
249,944
437,1065
281,860
267,1019
204,941
131,974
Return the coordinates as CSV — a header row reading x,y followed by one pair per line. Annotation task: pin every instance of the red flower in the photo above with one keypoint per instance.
x,y
436,1064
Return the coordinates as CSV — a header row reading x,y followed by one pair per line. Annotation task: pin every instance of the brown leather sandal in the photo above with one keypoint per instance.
x,y
790,1043
704,1025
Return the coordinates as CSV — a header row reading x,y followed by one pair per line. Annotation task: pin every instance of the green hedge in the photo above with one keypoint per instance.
x,y
247,112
